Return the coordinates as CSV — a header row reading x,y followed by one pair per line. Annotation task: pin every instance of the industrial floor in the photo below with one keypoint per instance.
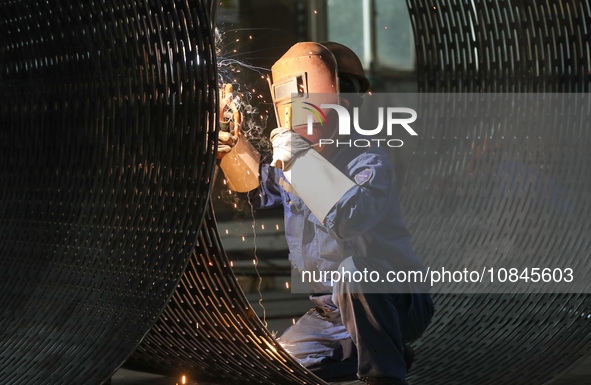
x,y
128,377
581,375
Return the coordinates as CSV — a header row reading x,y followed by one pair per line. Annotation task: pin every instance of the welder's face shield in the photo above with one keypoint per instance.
x,y
305,75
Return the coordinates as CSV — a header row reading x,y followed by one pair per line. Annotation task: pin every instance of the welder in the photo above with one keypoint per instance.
x,y
342,213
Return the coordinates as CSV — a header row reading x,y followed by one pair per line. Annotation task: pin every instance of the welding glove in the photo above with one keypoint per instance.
x,y
286,146
225,143
313,178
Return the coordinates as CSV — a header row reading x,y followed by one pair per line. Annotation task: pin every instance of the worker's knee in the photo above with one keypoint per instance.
x,y
348,265
349,282
358,276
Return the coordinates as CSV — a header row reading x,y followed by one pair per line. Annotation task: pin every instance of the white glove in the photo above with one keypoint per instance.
x,y
287,145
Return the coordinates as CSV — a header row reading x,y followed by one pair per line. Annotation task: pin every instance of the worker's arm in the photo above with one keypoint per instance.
x,y
372,198
314,179
349,202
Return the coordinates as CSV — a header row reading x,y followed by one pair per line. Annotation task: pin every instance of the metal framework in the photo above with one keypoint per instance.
x,y
107,137
107,131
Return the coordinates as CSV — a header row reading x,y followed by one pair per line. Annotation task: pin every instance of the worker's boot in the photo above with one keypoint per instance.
x,y
409,356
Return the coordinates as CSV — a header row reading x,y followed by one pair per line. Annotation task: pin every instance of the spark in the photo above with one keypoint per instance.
x,y
227,62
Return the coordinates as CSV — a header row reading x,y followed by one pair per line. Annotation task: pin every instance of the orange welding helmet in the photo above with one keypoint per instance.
x,y
308,75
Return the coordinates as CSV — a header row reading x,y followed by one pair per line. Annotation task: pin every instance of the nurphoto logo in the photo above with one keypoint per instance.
x,y
388,118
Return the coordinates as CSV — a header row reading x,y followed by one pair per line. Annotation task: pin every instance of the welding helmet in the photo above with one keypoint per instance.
x,y
308,75
348,67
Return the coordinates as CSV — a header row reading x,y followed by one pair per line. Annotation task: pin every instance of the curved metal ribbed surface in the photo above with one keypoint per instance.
x,y
502,46
107,135
210,332
495,192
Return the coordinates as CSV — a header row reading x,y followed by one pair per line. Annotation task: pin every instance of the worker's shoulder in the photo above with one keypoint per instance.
x,y
354,158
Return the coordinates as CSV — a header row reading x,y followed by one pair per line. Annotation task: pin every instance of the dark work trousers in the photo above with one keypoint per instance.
x,y
352,332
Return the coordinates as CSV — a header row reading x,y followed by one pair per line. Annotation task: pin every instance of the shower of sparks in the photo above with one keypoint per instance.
x,y
250,93
230,46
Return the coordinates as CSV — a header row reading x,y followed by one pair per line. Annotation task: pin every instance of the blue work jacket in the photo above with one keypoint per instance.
x,y
365,222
